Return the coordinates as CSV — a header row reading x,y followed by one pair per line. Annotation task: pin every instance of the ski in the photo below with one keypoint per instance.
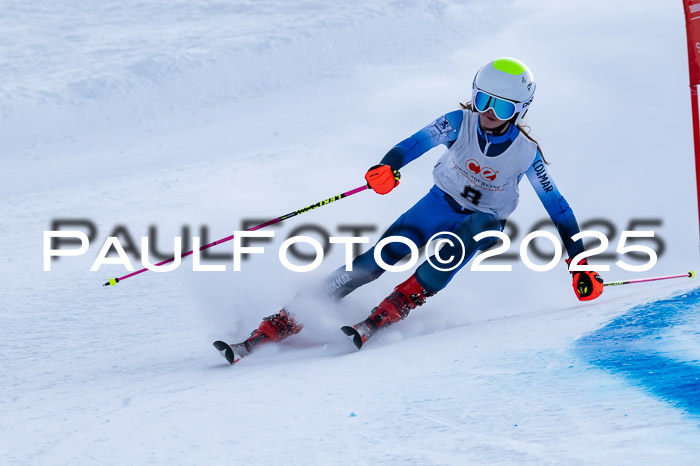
x,y
360,332
232,353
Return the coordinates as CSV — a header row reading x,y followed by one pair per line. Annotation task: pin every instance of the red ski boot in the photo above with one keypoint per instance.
x,y
395,307
273,328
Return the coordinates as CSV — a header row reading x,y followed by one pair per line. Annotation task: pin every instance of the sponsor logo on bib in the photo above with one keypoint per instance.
x,y
486,173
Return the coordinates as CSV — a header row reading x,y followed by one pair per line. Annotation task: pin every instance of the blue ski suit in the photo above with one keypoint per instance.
x,y
475,202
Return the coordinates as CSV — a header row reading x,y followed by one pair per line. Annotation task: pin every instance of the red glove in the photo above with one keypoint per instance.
x,y
587,285
382,178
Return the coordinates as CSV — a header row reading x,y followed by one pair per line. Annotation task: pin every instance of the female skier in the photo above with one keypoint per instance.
x,y
476,189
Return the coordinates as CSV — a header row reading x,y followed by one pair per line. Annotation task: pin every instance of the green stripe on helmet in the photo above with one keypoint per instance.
x,y
510,66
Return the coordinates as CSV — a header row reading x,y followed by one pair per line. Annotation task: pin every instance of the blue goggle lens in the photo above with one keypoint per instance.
x,y
504,109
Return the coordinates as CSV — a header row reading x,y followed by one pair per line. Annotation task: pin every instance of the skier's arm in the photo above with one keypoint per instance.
x,y
443,130
555,204
587,285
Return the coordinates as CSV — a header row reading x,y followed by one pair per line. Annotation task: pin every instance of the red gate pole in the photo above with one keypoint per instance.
x,y
692,26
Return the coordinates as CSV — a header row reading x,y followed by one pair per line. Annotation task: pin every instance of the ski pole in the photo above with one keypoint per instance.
x,y
114,281
690,274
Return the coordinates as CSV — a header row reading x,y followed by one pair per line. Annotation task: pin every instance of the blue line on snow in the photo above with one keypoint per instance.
x,y
638,345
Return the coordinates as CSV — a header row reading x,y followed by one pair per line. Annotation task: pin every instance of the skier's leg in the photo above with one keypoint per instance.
x,y
427,280
278,327
430,215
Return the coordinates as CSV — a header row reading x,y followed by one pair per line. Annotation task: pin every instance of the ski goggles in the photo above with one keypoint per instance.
x,y
503,109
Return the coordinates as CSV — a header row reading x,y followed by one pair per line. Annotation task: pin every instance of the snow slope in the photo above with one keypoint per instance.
x,y
206,113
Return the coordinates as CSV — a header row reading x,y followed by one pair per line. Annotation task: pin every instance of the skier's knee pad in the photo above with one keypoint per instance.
x,y
476,223
436,276
473,225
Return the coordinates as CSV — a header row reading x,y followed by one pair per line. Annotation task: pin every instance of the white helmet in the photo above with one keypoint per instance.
x,y
507,86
